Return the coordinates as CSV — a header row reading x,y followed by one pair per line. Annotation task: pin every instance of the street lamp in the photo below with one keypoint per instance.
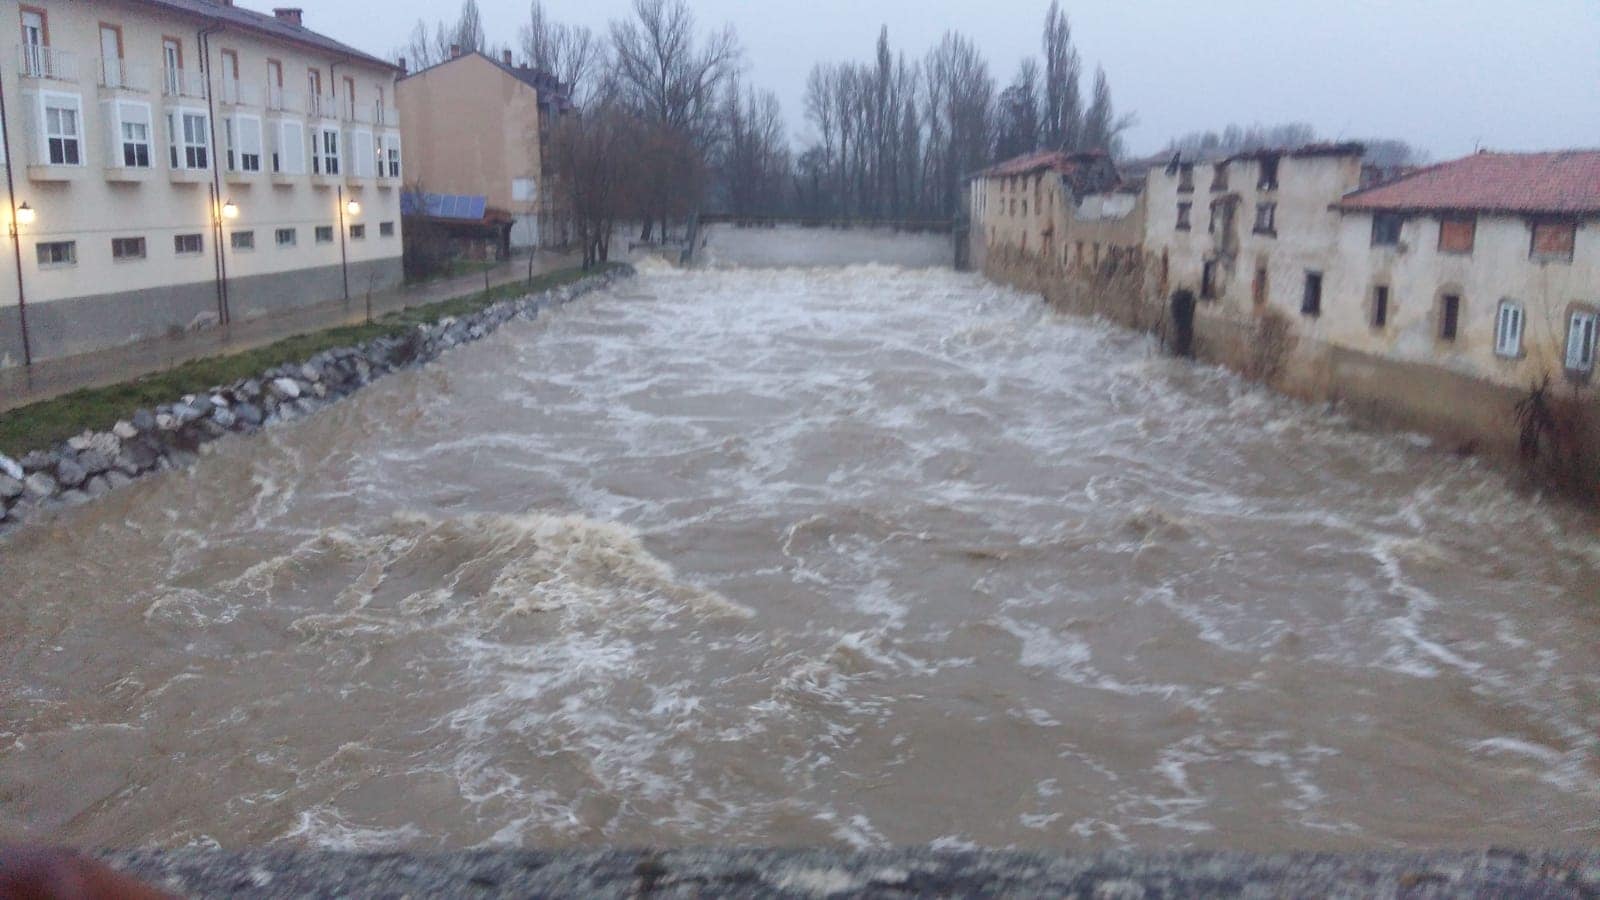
x,y
25,215
230,209
353,208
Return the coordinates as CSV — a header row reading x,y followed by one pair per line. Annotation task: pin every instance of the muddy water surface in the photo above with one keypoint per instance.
x,y
863,555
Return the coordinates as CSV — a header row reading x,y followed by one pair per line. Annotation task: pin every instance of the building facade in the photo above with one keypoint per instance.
x,y
176,164
1066,225
476,126
1439,299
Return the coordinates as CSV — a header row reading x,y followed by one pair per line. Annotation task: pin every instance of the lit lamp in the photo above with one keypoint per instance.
x,y
230,209
25,215
353,207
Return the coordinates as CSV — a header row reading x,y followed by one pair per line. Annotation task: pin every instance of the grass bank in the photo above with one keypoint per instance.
x,y
41,425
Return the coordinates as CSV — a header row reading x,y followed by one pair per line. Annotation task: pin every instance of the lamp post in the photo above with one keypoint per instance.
x,y
353,209
20,216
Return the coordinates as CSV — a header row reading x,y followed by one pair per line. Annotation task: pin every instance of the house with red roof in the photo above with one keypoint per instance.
x,y
1487,265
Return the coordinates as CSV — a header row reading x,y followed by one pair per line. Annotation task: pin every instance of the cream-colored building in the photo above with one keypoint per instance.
x,y
1438,299
476,126
1051,217
179,163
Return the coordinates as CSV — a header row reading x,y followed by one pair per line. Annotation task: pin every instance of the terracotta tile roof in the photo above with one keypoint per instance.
x,y
267,25
1565,182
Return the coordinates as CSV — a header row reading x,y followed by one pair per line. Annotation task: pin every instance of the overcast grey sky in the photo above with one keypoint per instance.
x,y
1447,75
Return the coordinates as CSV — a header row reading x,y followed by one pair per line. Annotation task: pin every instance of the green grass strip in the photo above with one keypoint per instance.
x,y
41,425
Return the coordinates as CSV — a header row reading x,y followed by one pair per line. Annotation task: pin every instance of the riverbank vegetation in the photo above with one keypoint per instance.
x,y
48,422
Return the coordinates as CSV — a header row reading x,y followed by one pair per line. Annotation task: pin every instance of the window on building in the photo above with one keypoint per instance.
x,y
243,240
1266,218
363,158
1457,234
189,139
1311,304
247,131
1186,178
133,129
392,159
324,234
1508,329
63,129
325,151
127,248
1219,177
1184,209
1581,341
1386,229
385,229
358,232
1380,306
1258,287
1553,241
1269,174
286,237
188,244
1208,280
289,153
1449,317
58,253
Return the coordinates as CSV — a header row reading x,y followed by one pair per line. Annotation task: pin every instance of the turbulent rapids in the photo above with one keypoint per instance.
x,y
860,555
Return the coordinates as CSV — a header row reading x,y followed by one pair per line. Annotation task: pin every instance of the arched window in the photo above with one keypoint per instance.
x,y
1508,329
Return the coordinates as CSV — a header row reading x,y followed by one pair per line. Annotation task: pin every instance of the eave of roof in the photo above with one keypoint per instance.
x,y
266,25
1555,184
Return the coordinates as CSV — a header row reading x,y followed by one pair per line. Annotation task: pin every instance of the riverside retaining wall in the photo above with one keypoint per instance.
x,y
170,436
839,873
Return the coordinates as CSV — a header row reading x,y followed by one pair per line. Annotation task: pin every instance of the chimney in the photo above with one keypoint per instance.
x,y
403,65
455,50
292,15
507,57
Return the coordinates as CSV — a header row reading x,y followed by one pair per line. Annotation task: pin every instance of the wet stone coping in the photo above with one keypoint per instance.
x,y
170,436
836,873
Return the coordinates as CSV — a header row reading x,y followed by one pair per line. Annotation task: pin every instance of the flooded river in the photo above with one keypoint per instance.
x,y
861,555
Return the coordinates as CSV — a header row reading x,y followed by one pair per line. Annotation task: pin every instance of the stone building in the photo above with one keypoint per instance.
x,y
178,163
1063,224
476,126
1436,300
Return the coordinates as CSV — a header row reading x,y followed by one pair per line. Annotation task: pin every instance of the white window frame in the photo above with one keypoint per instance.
x,y
363,153
249,236
278,235
183,154
291,150
61,102
326,151
389,166
141,243
199,249
71,254
1508,322
320,230
1581,337
245,137
123,114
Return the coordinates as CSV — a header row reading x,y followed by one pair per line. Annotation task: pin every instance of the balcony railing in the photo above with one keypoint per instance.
x,y
183,83
41,61
125,76
280,100
320,107
239,94
384,115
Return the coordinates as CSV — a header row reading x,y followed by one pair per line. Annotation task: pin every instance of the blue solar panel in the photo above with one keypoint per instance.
x,y
445,206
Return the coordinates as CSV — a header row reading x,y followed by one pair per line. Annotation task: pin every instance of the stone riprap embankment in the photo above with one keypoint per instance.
x,y
887,873
170,436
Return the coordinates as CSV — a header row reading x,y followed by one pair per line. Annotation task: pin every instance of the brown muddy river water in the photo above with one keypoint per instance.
x,y
860,555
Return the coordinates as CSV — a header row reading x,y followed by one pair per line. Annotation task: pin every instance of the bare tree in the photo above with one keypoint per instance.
x,y
668,75
1062,118
594,153
1018,130
1102,129
570,53
754,162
